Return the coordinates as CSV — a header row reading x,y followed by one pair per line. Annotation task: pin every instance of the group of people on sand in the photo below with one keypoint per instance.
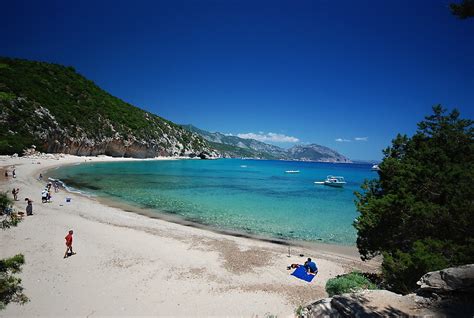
x,y
46,193
45,197
29,202
13,173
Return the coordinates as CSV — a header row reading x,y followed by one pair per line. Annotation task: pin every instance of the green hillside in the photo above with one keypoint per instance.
x,y
59,110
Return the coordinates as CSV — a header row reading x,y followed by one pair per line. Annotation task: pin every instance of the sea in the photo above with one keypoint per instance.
x,y
251,197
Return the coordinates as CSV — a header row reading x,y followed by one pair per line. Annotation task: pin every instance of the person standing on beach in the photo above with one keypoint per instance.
x,y
44,196
6,173
14,173
15,193
29,206
69,244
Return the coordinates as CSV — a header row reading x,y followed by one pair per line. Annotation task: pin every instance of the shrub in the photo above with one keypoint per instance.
x,y
5,201
6,96
10,286
348,283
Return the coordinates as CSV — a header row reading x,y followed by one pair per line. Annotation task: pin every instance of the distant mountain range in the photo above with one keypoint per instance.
x,y
236,147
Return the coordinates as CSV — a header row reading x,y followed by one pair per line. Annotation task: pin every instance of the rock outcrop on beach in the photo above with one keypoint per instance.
x,y
460,279
236,147
445,293
60,111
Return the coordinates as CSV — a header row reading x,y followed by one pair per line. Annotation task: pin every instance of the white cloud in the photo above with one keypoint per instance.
x,y
361,138
342,140
271,137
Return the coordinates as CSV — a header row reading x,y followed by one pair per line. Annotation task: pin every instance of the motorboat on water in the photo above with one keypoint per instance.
x,y
292,171
375,168
333,181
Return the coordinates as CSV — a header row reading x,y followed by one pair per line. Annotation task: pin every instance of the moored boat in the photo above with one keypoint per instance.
x,y
333,181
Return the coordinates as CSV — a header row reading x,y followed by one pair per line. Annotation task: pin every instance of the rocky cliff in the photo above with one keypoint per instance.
x,y
314,152
58,110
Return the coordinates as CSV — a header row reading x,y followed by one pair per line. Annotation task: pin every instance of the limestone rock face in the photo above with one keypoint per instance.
x,y
55,138
460,279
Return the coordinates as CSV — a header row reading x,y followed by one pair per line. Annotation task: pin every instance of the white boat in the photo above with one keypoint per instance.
x,y
333,181
375,168
292,171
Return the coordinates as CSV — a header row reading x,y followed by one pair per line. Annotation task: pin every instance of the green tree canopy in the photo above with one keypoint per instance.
x,y
463,10
419,214
10,286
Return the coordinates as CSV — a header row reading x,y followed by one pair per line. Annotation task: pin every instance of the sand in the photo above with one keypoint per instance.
x,y
128,264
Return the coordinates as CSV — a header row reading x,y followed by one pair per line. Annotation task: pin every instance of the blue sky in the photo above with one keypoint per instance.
x,y
326,72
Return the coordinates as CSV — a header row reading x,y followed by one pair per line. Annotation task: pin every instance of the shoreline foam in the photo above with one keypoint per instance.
x,y
154,266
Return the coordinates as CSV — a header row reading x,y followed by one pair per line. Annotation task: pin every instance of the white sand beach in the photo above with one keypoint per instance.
x,y
128,264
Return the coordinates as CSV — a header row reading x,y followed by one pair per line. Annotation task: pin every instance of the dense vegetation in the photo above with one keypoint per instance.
x,y
463,10
43,103
6,203
10,286
348,283
420,213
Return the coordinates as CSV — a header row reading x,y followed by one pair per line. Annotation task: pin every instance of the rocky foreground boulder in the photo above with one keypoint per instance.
x,y
460,279
444,293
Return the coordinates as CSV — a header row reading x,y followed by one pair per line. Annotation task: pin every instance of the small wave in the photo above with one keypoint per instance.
x,y
69,188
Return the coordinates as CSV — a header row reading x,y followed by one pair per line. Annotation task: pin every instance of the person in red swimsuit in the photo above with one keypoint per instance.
x,y
69,244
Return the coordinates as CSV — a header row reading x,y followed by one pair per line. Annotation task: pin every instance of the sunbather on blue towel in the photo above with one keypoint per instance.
x,y
309,265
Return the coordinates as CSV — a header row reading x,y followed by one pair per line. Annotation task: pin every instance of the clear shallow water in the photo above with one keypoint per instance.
x,y
250,196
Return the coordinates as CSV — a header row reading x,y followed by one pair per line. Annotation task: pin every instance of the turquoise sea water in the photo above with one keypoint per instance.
x,y
250,196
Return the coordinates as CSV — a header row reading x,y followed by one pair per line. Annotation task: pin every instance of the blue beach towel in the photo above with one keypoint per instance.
x,y
301,273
